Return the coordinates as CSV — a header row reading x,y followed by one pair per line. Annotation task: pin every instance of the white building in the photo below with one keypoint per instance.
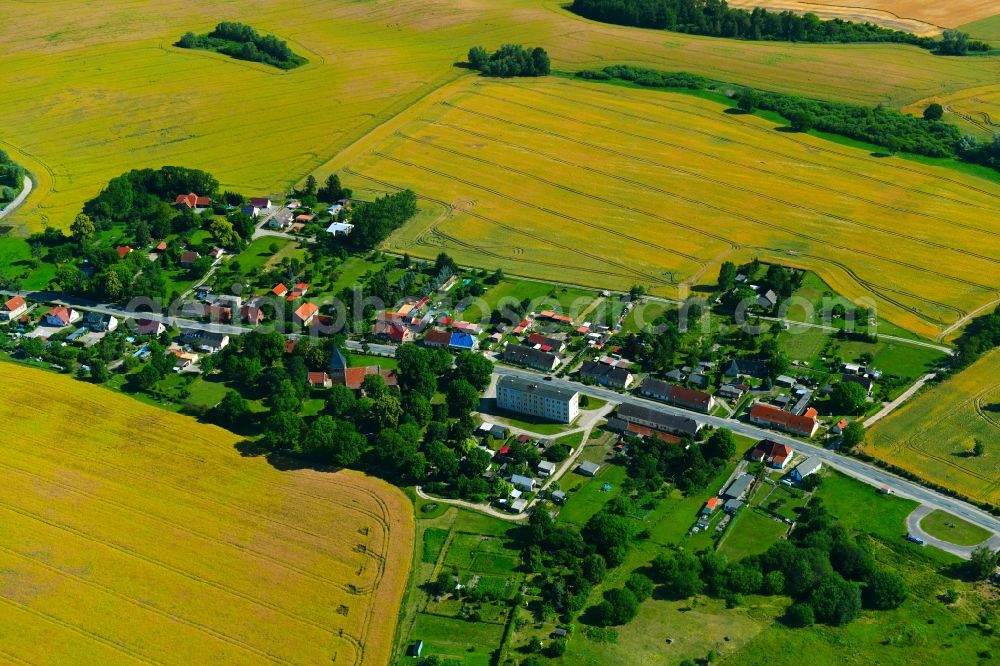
x,y
525,396
340,228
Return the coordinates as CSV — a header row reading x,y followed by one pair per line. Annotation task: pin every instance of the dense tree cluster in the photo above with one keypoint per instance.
x,y
510,60
981,335
374,221
11,178
715,18
240,41
829,574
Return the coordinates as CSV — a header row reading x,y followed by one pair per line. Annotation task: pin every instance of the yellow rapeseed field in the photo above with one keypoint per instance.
x,y
134,534
609,186
92,89
933,434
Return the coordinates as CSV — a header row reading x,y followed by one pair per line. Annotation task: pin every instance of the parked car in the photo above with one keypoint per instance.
x,y
914,539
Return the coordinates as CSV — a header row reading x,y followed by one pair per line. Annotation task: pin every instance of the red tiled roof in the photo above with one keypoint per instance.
x,y
161,246
290,346
306,311
14,303
712,503
123,250
279,289
688,396
768,450
192,200
189,257
436,336
60,312
317,378
771,414
353,377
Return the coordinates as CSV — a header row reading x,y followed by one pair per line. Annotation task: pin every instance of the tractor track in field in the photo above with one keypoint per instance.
x,y
912,444
196,578
186,490
872,287
435,231
121,506
770,134
503,196
699,202
979,404
172,617
524,174
784,230
86,633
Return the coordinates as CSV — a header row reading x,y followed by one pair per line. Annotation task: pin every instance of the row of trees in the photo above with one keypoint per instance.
x,y
238,40
927,135
715,18
510,60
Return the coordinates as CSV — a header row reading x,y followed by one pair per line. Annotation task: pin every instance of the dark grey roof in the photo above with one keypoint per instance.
x,y
546,390
682,424
522,355
337,360
738,487
616,424
652,386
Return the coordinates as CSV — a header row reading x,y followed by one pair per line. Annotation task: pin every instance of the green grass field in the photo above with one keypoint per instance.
x,y
949,528
18,266
481,554
750,533
544,296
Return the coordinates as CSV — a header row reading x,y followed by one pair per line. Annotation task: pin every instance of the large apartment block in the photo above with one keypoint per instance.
x,y
526,396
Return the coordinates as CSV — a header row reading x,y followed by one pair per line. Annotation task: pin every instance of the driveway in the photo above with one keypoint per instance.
x,y
18,200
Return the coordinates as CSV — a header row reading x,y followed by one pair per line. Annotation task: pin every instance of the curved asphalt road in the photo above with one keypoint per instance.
x,y
965,552
19,199
853,467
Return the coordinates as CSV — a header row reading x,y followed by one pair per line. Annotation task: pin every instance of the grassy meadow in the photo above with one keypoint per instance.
x,y
133,534
89,97
933,434
606,186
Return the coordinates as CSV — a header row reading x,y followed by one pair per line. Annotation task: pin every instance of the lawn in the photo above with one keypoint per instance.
x,y
932,435
155,540
206,392
586,496
481,554
491,412
863,508
470,643
750,533
258,253
543,296
17,265
949,528
434,538
539,150
358,360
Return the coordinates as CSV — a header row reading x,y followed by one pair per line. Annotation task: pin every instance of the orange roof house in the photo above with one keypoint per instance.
x,y
774,454
305,313
774,417
192,201
280,290
123,250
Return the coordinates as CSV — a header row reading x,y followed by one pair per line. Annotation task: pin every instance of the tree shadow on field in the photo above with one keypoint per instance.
x,y
733,111
879,154
279,460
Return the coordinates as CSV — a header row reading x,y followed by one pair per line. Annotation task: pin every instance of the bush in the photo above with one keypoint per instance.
x,y
799,615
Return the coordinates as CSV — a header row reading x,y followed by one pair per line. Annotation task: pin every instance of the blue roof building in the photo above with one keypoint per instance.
x,y
462,341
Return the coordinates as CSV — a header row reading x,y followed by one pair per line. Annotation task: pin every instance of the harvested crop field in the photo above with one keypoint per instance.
x,y
933,434
133,534
608,187
921,17
976,111
93,89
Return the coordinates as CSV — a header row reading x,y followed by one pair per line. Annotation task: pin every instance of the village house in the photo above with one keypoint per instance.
x,y
394,331
546,468
607,374
732,391
767,300
530,358
13,308
188,258
260,202
864,381
123,251
523,483
281,219
149,327
467,327
210,343
549,315
280,290
462,342
353,378
770,416
678,395
546,343
807,467
437,338
657,420
319,380
218,314
340,228
305,313
60,316
100,323
251,314
739,487
588,468
773,454
192,202
745,367
250,210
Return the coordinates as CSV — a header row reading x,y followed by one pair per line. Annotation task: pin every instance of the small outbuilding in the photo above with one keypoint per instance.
x,y
588,468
